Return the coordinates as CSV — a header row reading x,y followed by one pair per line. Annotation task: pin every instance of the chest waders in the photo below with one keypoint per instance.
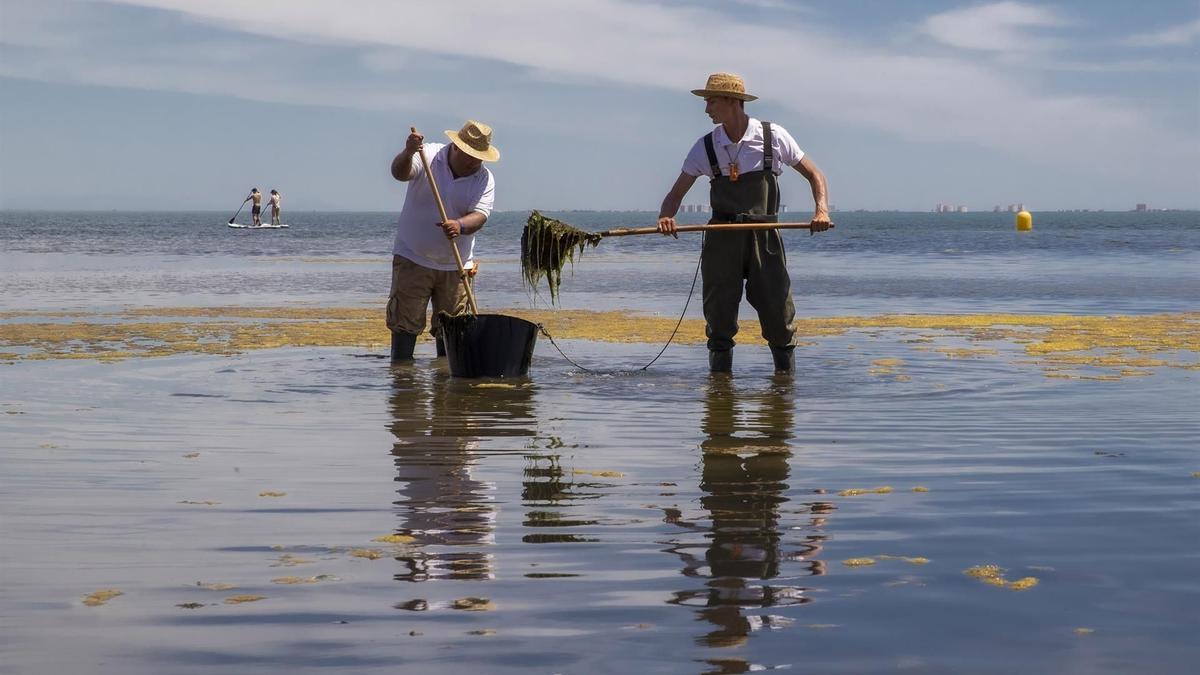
x,y
753,257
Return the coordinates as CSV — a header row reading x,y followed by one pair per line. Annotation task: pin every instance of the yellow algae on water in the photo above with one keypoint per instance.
x,y
301,580
97,598
854,492
965,352
289,560
983,571
1023,584
240,599
858,562
994,575
395,539
1115,343
918,560
472,604
1084,631
920,488
494,385
270,493
598,474
368,553
191,455
216,586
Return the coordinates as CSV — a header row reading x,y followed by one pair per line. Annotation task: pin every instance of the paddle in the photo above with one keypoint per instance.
x,y
462,272
239,211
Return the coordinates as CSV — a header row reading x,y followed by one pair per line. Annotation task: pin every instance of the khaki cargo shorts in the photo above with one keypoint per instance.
x,y
413,286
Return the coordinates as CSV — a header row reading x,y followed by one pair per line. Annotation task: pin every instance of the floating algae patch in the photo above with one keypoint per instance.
x,y
920,488
291,581
993,575
854,492
215,586
858,562
547,245
242,599
395,539
289,560
965,352
271,493
598,474
1117,345
1084,631
97,598
368,553
471,604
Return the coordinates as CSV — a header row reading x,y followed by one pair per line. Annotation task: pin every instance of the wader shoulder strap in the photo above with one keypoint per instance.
x,y
769,170
768,148
712,155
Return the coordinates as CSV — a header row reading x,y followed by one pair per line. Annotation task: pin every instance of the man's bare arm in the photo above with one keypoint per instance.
x,y
670,204
820,194
402,164
467,224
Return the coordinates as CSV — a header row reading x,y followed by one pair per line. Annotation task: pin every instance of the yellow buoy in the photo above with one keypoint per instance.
x,y
1024,221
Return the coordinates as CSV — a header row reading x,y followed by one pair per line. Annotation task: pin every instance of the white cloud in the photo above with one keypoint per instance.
x,y
811,70
995,27
1176,36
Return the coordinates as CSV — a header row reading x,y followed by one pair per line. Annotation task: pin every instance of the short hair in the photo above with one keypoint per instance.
x,y
254,189
273,191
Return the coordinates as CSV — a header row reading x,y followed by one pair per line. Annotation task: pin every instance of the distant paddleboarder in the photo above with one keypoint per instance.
x,y
276,207
256,208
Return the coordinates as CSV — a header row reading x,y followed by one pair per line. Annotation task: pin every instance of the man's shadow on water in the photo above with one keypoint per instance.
x,y
439,424
745,457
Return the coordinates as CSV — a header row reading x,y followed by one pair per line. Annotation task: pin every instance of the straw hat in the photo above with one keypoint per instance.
x,y
475,139
724,84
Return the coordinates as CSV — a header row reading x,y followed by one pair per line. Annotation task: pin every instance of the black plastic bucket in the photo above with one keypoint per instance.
x,y
488,345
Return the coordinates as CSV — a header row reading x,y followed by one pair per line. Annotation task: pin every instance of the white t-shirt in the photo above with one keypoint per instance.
x,y
418,236
747,151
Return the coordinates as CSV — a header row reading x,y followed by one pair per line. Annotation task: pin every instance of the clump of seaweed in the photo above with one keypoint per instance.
x,y
546,246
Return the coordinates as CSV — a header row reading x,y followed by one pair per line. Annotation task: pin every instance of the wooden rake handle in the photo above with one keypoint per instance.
x,y
437,195
626,231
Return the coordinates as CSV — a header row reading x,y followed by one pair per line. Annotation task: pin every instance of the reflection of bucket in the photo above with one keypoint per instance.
x,y
489,345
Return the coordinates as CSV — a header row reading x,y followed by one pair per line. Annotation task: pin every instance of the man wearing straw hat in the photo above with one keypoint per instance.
x,y
743,158
423,265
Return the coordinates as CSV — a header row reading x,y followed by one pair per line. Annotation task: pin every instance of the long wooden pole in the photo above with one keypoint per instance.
x,y
462,272
626,231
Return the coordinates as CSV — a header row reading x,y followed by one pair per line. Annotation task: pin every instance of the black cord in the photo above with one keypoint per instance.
x,y
670,339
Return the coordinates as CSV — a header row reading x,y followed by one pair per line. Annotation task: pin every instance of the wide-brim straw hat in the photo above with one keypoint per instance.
x,y
725,84
475,139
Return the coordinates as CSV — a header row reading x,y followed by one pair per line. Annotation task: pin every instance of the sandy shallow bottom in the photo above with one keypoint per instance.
x,y
315,509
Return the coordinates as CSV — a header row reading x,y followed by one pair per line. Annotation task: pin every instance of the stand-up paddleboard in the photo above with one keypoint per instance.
x,y
257,227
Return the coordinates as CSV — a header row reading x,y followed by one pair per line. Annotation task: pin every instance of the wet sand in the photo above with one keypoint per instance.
x,y
307,506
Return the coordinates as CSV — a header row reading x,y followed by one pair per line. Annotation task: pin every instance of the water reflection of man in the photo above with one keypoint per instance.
x,y
439,424
745,466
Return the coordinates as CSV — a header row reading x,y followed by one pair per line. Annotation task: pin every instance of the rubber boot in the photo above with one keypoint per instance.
x,y
785,359
440,345
402,346
720,361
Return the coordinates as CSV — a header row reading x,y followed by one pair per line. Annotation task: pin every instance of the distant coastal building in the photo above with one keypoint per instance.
x,y
1142,207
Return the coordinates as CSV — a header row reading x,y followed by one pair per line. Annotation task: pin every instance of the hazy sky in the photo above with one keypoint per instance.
x,y
186,104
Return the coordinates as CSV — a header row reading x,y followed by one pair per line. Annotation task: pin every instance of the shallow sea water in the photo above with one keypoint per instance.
x,y
659,521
